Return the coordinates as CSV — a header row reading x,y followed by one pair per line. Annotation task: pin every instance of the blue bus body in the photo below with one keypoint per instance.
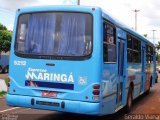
x,y
86,84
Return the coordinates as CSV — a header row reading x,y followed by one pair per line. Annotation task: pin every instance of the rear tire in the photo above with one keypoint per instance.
x,y
1,70
128,106
148,91
6,69
156,77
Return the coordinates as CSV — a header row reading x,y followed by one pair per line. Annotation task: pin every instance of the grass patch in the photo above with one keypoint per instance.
x,y
3,93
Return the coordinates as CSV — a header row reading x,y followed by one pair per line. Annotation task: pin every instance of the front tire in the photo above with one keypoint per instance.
x,y
129,100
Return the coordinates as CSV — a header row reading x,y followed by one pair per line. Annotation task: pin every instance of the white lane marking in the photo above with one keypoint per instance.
x,y
9,109
21,111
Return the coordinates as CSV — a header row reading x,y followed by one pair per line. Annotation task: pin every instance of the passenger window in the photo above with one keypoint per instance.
x,y
109,43
133,49
149,54
129,41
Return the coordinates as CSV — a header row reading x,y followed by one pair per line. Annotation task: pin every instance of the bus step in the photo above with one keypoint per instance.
x,y
120,107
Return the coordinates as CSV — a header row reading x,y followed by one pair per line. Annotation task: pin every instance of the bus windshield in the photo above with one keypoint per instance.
x,y
54,34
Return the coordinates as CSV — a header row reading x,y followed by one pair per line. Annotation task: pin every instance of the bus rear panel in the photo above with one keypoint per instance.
x,y
77,59
52,63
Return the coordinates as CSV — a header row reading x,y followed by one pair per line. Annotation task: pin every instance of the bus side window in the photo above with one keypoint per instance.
x,y
133,49
149,53
109,43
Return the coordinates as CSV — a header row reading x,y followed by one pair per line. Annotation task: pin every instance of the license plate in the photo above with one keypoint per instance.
x,y
47,103
49,94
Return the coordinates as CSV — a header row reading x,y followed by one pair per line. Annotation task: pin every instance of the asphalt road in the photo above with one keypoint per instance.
x,y
145,107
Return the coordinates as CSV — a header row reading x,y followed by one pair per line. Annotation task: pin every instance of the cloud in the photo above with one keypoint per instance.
x,y
13,5
9,7
10,27
148,17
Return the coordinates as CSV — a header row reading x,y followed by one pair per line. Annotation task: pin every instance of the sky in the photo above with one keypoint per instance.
x,y
148,18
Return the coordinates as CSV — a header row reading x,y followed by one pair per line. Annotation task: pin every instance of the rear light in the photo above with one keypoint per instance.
x,y
8,82
96,86
8,85
96,92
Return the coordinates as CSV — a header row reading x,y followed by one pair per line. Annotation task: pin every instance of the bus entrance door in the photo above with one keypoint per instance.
x,y
121,76
143,68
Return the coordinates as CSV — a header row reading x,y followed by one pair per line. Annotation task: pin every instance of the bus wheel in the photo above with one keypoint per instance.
x,y
129,100
1,70
148,91
6,69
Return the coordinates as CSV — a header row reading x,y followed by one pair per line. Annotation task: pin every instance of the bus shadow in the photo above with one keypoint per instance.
x,y
72,116
120,115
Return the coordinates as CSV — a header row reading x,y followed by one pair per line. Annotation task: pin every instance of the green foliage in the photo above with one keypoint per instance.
x,y
157,46
158,57
158,51
5,39
2,27
3,93
145,35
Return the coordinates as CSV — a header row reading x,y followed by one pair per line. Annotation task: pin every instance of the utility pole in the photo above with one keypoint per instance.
x,y
78,2
136,18
153,36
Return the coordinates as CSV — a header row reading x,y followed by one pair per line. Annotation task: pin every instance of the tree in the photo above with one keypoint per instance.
x,y
157,46
145,35
2,27
5,39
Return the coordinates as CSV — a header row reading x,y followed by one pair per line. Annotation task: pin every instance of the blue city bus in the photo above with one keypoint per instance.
x,y
77,59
